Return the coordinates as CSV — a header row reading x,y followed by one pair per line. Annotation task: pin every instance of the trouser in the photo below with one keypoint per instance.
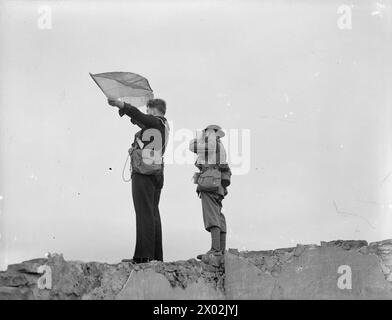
x,y
212,211
214,219
146,191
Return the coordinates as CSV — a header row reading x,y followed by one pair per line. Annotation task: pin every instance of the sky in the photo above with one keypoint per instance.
x,y
302,85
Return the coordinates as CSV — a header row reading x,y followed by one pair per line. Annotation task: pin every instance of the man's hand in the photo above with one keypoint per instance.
x,y
116,103
130,150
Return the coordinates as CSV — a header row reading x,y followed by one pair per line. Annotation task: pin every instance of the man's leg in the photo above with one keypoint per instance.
x,y
215,239
211,217
223,242
211,210
223,232
143,200
158,252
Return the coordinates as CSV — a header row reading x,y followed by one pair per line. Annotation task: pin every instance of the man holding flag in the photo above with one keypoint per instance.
x,y
147,175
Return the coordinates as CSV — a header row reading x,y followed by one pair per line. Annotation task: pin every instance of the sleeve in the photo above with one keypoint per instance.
x,y
139,117
193,145
121,112
222,156
141,126
198,146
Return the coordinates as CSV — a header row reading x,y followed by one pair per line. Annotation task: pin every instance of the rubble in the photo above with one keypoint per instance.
x,y
301,272
182,273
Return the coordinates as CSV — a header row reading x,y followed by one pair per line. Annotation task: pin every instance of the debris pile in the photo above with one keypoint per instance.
x,y
339,269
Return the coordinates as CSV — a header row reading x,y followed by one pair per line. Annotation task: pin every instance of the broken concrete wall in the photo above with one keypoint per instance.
x,y
331,270
180,280
54,278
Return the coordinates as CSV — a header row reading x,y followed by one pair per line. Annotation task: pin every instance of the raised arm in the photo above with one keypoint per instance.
x,y
202,145
139,117
141,126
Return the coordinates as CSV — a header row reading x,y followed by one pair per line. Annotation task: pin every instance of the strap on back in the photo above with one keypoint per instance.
x,y
167,130
206,150
217,152
217,156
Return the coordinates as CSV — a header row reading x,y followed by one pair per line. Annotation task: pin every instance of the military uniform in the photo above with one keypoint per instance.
x,y
207,154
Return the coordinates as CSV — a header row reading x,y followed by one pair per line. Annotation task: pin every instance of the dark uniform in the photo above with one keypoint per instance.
x,y
146,190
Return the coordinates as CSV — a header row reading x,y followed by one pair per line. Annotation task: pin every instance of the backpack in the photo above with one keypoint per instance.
x,y
145,161
210,178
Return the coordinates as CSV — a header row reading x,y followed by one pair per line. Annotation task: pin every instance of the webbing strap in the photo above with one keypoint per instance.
x,y
217,156
206,150
217,152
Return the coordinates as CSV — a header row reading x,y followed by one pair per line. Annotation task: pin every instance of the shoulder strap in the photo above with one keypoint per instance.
x,y
217,152
164,122
167,130
206,150
217,156
137,142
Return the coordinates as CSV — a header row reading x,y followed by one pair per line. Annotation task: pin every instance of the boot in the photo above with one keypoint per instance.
x,y
215,243
212,252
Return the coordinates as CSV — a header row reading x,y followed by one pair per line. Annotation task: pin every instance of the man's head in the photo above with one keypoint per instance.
x,y
211,133
214,130
156,107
